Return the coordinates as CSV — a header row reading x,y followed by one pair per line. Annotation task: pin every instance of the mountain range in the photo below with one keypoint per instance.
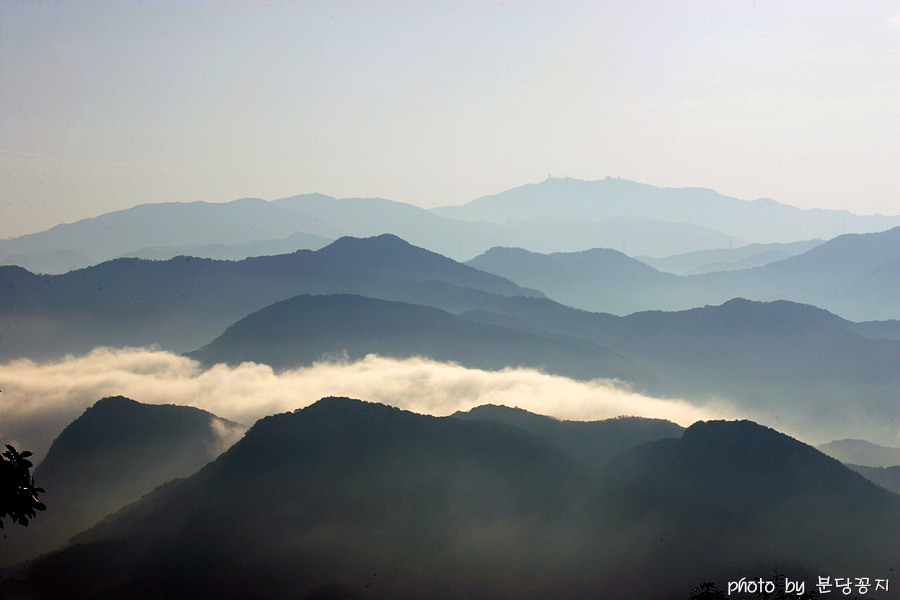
x,y
795,361
854,275
110,456
369,499
886,477
781,360
752,309
557,215
242,228
235,251
728,259
593,444
182,303
861,452
305,329
762,221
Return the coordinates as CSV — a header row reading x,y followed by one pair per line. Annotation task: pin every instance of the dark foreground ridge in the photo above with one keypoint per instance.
x,y
371,501
110,456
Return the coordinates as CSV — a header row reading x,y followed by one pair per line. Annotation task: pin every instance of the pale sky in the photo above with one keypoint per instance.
x,y
109,104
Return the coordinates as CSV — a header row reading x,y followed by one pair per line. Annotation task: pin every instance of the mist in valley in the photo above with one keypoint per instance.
x,y
41,398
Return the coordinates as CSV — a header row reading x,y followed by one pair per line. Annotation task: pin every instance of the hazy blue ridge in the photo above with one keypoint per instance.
x,y
557,215
185,302
728,259
762,221
304,329
854,275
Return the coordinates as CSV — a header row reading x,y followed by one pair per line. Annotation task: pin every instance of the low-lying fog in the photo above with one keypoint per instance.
x,y
40,399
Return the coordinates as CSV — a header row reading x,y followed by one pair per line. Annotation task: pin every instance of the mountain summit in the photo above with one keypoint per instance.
x,y
762,221
110,456
365,497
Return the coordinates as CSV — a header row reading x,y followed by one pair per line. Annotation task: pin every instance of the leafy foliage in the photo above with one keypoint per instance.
x,y
707,591
710,591
18,494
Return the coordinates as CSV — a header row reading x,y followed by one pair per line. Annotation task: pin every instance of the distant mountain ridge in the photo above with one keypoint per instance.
x,y
886,477
249,227
795,361
304,329
728,259
599,280
854,275
783,358
113,234
861,452
235,251
557,215
763,220
184,302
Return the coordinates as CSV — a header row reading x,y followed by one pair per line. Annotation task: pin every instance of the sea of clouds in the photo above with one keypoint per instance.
x,y
40,399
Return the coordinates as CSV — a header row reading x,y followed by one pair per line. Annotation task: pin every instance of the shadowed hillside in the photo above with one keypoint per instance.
x,y
304,329
110,456
591,443
795,362
184,302
360,498
737,499
886,477
853,275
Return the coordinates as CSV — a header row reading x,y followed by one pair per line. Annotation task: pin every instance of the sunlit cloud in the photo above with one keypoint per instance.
x,y
40,399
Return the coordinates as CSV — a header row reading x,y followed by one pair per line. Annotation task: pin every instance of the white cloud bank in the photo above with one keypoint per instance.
x,y
40,399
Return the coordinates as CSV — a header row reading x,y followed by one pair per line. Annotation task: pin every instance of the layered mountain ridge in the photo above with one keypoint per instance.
x,y
852,275
402,505
556,215
184,302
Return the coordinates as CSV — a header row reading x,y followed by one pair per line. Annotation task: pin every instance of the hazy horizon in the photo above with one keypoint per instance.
x,y
112,104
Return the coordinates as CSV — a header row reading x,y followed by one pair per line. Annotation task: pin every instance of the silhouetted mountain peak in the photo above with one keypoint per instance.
x,y
778,310
114,453
116,422
113,403
343,410
321,501
492,411
591,443
746,462
336,426
385,241
751,316
862,452
11,273
734,435
385,249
